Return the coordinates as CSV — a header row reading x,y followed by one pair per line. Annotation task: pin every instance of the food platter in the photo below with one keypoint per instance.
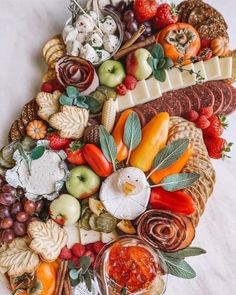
x,y
66,111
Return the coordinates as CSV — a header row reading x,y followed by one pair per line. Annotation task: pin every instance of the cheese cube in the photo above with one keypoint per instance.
x,y
89,236
124,102
199,67
108,237
226,65
140,93
188,78
73,233
166,85
175,79
154,88
212,68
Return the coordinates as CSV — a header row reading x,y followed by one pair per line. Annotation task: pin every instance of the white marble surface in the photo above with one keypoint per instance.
x,y
25,25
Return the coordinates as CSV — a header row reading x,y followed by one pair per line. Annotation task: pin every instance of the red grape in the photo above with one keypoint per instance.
x,y
30,207
8,236
4,212
16,207
7,188
39,206
31,218
7,199
127,36
132,26
6,223
128,16
141,38
2,181
22,216
110,7
19,229
121,6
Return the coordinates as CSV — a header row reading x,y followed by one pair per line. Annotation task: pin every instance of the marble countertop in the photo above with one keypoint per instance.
x,y
25,25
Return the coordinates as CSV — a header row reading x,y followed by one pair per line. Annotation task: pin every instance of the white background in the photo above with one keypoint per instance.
x,y
25,25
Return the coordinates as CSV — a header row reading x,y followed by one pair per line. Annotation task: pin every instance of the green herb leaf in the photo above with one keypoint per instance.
x,y
74,274
84,263
80,102
123,291
88,281
179,181
132,133
151,62
108,146
188,252
37,152
65,100
71,265
72,91
157,51
169,154
160,75
160,64
179,268
168,63
93,104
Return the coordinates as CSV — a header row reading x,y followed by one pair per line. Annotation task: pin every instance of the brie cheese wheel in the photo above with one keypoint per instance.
x,y
199,67
125,193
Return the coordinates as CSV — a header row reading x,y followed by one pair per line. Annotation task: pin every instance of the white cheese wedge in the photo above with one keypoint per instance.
x,y
166,85
140,93
212,68
124,102
73,233
226,64
89,236
199,67
154,88
188,78
176,79
108,237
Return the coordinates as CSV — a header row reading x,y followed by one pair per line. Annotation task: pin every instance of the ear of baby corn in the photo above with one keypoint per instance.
x,y
109,114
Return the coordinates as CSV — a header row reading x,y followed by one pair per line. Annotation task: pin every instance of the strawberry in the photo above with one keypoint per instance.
x,y
207,112
65,254
130,82
75,260
91,255
192,116
217,147
47,87
144,10
74,153
121,89
166,14
202,122
205,43
217,126
56,142
57,85
97,247
78,250
205,54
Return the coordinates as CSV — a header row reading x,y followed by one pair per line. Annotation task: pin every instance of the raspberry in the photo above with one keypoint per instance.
x,y
57,85
47,87
121,89
65,253
207,112
78,250
205,43
192,116
91,255
205,54
75,260
202,122
97,247
89,247
130,82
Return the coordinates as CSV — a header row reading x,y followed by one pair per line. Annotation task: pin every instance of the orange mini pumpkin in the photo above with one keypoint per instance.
x,y
180,41
36,129
220,46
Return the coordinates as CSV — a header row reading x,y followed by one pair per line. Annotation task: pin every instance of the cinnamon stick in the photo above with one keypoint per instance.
x,y
67,286
122,52
134,38
61,275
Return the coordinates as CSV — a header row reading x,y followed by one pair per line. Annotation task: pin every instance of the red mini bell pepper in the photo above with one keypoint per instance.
x,y
96,160
176,202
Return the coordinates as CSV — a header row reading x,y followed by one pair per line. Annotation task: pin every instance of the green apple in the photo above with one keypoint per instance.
x,y
137,64
111,73
82,182
65,210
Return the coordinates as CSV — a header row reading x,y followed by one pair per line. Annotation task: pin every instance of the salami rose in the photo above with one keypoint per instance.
x,y
165,231
77,72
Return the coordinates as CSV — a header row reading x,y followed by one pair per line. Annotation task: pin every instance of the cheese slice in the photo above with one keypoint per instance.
x,y
124,102
212,68
226,64
199,67
140,93
166,85
176,79
89,236
73,233
108,237
188,78
154,88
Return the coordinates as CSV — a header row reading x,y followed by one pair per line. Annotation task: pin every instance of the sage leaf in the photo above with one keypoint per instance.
x,y
74,274
88,281
72,91
151,62
71,265
168,63
188,252
65,100
169,154
179,181
93,104
160,75
161,64
108,145
37,152
84,263
157,51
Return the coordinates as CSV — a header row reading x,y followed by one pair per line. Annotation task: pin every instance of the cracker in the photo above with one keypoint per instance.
x,y
48,104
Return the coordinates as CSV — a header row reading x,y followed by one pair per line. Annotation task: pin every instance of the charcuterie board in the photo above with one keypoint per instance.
x,y
111,161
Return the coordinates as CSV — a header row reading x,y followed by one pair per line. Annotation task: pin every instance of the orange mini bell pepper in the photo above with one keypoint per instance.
x,y
176,167
154,137
118,132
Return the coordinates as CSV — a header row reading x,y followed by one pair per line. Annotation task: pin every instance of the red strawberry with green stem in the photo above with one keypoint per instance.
x,y
144,10
217,126
217,147
74,153
166,15
56,142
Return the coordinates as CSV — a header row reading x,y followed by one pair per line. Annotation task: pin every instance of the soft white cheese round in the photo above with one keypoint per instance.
x,y
111,42
73,47
108,25
95,39
69,33
81,37
102,54
89,53
84,24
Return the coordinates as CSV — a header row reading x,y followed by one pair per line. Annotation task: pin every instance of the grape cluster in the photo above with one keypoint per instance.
x,y
130,24
16,212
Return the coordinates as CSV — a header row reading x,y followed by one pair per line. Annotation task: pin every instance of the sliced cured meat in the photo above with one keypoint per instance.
x,y
148,112
232,106
227,94
184,101
218,94
159,105
138,111
171,100
206,96
194,98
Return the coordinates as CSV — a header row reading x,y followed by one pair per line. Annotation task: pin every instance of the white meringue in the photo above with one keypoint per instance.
x,y
111,43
